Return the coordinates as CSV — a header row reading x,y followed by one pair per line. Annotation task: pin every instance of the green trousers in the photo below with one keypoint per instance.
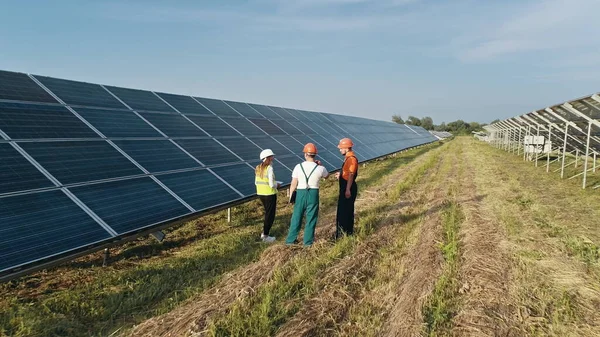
x,y
307,201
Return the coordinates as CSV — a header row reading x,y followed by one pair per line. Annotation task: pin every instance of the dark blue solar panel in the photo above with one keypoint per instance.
x,y
290,161
289,142
266,111
214,126
334,159
117,123
283,113
130,205
267,126
324,143
185,104
244,109
199,189
287,127
157,155
208,151
306,129
173,125
217,107
18,174
140,99
244,126
19,87
74,162
242,147
266,142
38,225
240,176
25,121
80,93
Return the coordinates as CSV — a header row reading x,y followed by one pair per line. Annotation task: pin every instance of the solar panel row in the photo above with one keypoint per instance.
x,y
82,163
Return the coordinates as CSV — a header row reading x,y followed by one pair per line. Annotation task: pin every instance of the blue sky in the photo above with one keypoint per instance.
x,y
455,59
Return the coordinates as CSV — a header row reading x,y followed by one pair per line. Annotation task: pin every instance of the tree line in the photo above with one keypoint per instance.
x,y
458,127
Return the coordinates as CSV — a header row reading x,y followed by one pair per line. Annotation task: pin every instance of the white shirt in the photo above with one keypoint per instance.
x,y
271,176
315,178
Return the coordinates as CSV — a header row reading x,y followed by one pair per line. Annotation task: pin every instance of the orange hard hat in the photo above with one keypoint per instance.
x,y
345,143
310,148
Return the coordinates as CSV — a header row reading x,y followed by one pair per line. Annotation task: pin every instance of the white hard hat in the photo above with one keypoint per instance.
x,y
266,153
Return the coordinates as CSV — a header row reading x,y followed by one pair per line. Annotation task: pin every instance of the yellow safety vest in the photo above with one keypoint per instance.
x,y
262,184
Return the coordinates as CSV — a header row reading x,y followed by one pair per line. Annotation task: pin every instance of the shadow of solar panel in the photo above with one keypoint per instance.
x,y
40,225
18,174
80,93
199,189
184,104
173,125
117,123
244,109
240,176
244,126
289,142
242,147
140,99
74,162
290,161
270,143
218,107
208,151
214,126
267,126
26,121
130,205
19,87
265,111
157,155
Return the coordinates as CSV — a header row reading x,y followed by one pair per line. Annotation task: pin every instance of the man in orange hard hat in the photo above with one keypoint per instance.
x,y
348,189
305,182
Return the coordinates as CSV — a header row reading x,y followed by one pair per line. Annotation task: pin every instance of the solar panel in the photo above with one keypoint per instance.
x,y
74,162
19,87
17,173
86,173
80,93
26,121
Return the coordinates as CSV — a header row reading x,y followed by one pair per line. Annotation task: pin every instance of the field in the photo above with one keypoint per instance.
x,y
453,239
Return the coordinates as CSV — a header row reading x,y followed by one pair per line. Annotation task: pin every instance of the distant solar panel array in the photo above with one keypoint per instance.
x,y
83,165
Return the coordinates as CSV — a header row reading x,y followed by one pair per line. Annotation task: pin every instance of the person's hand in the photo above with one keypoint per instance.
x,y
337,175
278,185
348,194
318,162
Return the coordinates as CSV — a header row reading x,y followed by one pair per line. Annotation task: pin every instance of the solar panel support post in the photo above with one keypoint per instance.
x,y
526,147
562,168
519,143
594,162
587,154
105,257
550,150
228,214
576,157
537,137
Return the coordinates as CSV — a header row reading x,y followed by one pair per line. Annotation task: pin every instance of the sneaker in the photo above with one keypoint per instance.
x,y
268,239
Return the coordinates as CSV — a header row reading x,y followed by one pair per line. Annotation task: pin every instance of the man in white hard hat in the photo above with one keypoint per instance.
x,y
266,189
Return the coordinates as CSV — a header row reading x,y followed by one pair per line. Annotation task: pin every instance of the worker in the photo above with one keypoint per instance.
x,y
348,189
306,177
266,189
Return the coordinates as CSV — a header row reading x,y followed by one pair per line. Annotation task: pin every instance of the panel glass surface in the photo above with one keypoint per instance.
x,y
208,151
157,155
244,109
240,176
185,104
117,123
266,111
269,143
242,147
80,93
244,126
290,161
140,99
214,126
218,107
283,113
130,205
199,189
267,126
302,127
287,127
173,125
17,173
26,121
19,87
295,146
39,225
73,162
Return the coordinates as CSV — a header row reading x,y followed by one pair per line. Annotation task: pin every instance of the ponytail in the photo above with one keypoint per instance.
x,y
260,169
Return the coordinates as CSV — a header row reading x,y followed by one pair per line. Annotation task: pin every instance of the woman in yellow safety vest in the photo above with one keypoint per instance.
x,y
266,188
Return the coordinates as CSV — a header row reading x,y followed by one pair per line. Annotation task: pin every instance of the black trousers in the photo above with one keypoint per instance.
x,y
345,209
270,203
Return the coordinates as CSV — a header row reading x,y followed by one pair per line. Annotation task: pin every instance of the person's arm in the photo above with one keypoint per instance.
x,y
293,185
353,168
324,173
271,176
